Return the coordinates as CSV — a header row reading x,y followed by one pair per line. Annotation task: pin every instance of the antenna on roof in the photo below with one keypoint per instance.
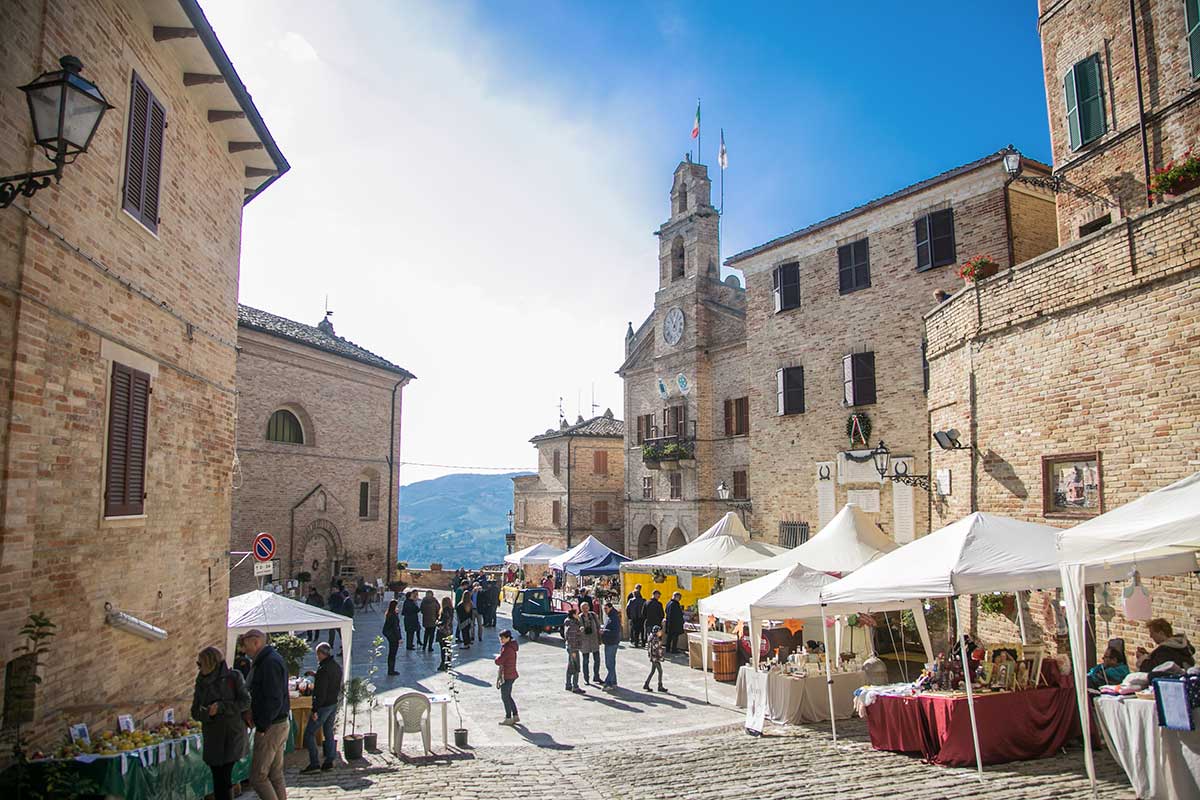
x,y
561,415
594,406
328,313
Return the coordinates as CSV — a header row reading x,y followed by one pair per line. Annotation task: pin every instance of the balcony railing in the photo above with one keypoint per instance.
x,y
668,451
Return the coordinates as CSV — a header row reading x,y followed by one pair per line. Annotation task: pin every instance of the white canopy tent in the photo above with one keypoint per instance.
x,y
849,541
725,545
274,613
1157,534
979,553
540,553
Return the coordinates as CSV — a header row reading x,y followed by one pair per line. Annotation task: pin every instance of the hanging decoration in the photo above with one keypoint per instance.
x,y
1137,599
1106,612
658,576
858,429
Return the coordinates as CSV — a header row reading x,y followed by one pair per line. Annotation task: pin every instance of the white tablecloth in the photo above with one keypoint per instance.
x,y
792,700
1160,763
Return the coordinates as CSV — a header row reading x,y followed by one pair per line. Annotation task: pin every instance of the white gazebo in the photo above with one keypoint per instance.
x,y
274,613
540,553
847,542
724,546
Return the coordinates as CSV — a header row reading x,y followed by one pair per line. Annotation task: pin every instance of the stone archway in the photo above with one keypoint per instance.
x,y
676,539
647,543
321,553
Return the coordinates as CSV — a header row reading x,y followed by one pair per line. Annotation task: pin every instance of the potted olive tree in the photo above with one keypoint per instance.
x,y
460,733
293,649
358,693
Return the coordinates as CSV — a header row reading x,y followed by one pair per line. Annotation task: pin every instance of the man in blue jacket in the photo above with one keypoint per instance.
x,y
268,715
611,639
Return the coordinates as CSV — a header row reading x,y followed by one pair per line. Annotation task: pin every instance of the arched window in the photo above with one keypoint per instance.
x,y
681,199
677,258
284,427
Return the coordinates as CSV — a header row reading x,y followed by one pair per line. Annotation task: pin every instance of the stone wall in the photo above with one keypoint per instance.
x,y
82,284
1109,171
1090,347
307,495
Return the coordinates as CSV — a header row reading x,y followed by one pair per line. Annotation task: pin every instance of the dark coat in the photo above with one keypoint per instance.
x,y
674,617
315,599
430,608
464,611
1177,649
635,606
412,615
225,738
445,624
346,609
334,602
327,687
391,626
652,613
268,689
612,628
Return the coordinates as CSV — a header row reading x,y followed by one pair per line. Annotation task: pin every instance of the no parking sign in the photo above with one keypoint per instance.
x,y
264,547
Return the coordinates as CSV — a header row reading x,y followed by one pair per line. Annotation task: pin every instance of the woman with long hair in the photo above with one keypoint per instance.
x,y
218,703
445,631
391,632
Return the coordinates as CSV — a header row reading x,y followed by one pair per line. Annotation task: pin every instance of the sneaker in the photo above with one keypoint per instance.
x,y
516,719
646,687
662,689
506,721
311,768
328,765
577,690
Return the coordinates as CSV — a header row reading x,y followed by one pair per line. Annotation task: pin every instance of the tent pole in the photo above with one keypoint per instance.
x,y
704,653
828,675
962,646
1021,618
1073,587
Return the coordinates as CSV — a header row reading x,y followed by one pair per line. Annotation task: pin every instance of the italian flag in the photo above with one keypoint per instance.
x,y
696,124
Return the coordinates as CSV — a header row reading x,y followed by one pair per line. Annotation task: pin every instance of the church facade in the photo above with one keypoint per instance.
x,y
687,425
318,440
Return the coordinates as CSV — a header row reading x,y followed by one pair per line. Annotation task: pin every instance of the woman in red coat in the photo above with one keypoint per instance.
x,y
507,661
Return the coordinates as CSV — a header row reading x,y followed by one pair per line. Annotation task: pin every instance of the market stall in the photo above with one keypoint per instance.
x,y
849,541
1157,534
979,553
534,562
1159,762
795,698
704,565
589,557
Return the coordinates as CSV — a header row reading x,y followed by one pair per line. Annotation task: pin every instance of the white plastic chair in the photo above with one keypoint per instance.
x,y
410,713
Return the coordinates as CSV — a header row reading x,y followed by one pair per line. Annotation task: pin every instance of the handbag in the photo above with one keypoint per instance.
x,y
499,677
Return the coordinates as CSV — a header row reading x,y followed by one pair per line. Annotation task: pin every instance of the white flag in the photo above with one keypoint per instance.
x,y
723,156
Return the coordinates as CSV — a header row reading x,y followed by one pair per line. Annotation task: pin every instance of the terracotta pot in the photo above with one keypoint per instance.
x,y
984,271
1182,188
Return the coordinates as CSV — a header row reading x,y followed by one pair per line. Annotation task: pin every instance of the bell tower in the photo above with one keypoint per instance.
x,y
687,247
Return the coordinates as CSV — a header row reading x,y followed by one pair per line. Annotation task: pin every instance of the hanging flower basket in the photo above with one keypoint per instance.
x,y
977,269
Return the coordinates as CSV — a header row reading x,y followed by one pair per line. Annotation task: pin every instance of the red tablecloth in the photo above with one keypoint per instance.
x,y
1013,726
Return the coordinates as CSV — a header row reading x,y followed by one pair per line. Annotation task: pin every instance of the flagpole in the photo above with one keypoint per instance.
x,y
698,126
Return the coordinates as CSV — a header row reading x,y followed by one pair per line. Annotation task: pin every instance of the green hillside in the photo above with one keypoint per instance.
x,y
457,520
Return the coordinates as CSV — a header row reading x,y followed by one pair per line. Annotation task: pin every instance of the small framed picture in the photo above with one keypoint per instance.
x,y
1023,673
79,733
1036,653
1072,485
125,723
168,716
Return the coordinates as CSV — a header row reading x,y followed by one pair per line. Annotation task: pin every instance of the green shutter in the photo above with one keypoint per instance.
x,y
1072,109
1090,94
1193,37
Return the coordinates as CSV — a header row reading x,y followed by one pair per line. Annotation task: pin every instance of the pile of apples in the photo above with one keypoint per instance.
x,y
110,743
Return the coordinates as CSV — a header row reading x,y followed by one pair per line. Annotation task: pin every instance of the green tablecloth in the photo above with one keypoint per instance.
x,y
184,777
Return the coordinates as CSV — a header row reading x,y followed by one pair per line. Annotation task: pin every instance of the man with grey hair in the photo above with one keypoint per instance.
x,y
268,715
326,690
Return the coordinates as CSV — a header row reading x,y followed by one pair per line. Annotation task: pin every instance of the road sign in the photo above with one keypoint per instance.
x,y
264,568
264,547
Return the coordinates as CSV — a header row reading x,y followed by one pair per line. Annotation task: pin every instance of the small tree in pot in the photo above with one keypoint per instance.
x,y
358,693
371,738
293,649
460,733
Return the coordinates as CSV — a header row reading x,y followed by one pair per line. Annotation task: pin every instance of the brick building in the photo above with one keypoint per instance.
x,y
834,341
1099,102
685,382
578,490
118,306
318,438
1073,378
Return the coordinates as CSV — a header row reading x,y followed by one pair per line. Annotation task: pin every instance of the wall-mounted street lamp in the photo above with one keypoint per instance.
x,y
65,110
510,540
948,440
1014,165
725,494
900,474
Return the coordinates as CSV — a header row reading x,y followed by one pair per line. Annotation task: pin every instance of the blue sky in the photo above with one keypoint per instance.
x,y
475,185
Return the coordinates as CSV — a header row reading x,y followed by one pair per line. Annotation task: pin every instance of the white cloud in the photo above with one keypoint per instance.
x,y
488,233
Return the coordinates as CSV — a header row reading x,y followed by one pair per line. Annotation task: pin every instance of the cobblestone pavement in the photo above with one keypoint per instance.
x,y
637,745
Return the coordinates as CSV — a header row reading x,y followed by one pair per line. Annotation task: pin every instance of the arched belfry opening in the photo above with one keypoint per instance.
x,y
681,199
677,261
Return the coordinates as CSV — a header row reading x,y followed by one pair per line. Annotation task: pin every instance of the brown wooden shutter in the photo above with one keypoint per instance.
x,y
743,415
143,154
125,458
729,417
600,462
641,433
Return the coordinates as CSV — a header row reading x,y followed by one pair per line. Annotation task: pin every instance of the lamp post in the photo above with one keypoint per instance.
x,y
508,540
725,494
882,455
65,110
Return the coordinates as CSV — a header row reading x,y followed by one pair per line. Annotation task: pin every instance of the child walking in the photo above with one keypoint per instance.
x,y
655,650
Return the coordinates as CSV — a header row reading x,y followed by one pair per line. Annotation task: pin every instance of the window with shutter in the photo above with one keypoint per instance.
x,y
283,426
641,431
935,240
787,287
647,488
854,267
600,462
790,386
729,422
364,499
125,457
1193,34
1084,98
675,421
556,512
737,416
557,465
858,371
143,154
600,512
741,486
676,485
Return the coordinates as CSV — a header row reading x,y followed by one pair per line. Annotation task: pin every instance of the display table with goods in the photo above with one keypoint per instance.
x,y
798,695
135,765
1160,761
1018,719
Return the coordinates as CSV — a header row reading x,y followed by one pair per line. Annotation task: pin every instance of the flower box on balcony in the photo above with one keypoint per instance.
x,y
1176,178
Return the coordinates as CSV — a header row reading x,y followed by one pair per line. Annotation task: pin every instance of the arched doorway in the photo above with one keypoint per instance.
x,y
647,544
676,539
321,554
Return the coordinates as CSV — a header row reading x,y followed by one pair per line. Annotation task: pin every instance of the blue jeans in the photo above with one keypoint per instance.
x,y
326,717
610,664
593,658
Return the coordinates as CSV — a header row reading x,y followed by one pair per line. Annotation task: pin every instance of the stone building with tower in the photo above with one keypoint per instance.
x,y
835,342
1072,379
318,441
686,379
119,315
578,489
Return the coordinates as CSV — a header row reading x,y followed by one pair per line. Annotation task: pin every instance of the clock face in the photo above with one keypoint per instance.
x,y
673,326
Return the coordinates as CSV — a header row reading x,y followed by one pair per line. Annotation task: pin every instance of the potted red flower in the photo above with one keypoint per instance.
x,y
1177,177
977,269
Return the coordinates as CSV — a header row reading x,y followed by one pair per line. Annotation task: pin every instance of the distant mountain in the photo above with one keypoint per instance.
x,y
457,520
